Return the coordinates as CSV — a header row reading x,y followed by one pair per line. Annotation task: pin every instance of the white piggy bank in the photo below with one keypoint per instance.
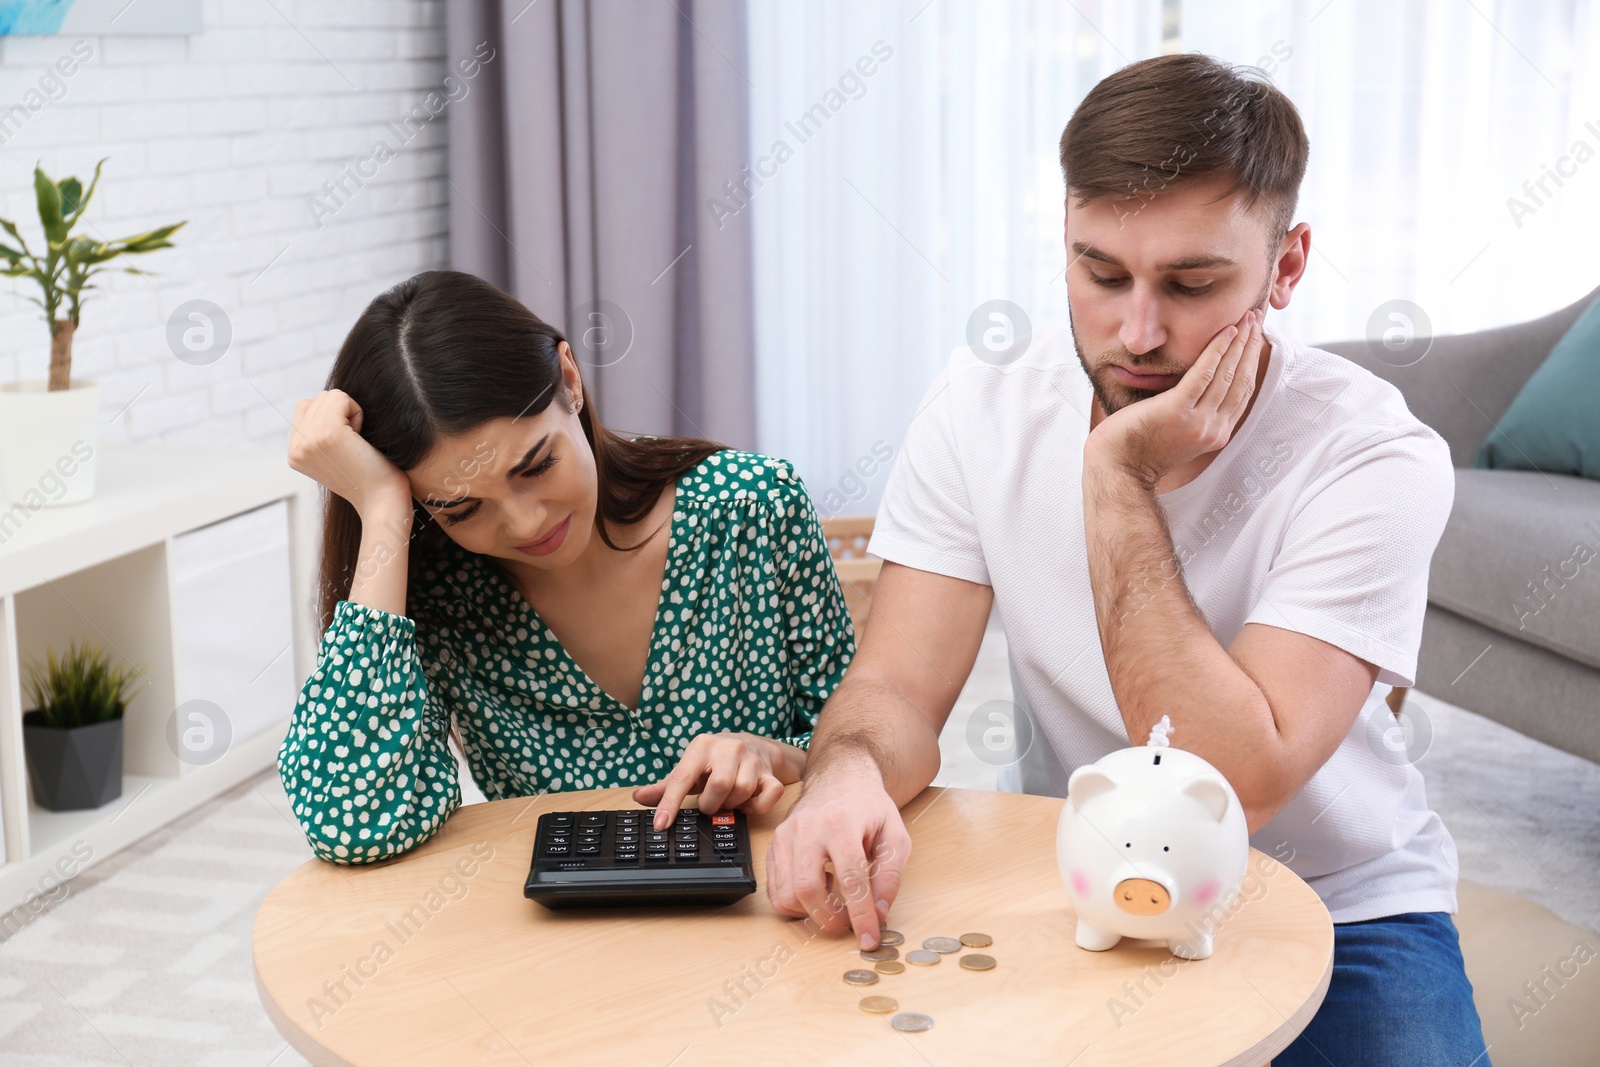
x,y
1151,840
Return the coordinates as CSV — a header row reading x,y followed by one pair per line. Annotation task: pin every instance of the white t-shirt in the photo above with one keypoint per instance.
x,y
1320,516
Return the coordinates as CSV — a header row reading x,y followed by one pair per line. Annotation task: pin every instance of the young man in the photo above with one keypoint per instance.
x,y
1177,514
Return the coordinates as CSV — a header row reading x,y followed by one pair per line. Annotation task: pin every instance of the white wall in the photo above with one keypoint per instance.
x,y
233,129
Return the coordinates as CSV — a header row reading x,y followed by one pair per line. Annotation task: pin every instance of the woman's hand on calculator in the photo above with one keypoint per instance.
x,y
727,771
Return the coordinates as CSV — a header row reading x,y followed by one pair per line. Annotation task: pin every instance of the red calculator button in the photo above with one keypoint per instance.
x,y
723,819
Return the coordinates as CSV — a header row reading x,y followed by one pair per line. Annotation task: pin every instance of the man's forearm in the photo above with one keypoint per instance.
x,y
1161,656
868,728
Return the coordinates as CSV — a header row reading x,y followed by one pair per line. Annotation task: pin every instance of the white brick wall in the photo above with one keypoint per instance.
x,y
232,129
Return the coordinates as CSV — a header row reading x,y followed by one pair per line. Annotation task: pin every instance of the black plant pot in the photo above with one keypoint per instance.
x,y
75,769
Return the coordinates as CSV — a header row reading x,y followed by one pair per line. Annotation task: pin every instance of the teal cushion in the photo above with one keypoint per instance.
x,y
1554,423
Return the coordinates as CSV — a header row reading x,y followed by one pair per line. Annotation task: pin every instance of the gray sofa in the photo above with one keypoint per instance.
x,y
1513,624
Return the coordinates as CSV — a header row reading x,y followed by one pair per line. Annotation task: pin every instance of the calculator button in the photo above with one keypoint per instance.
x,y
592,819
627,857
560,820
655,836
722,819
588,850
655,857
557,850
727,846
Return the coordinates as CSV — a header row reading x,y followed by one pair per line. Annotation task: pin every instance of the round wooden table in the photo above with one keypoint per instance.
x,y
437,958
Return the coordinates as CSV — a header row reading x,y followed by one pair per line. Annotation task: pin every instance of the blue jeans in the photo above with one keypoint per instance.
x,y
1399,995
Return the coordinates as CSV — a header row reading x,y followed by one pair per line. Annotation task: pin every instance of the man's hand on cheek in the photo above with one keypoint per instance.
x,y
1198,415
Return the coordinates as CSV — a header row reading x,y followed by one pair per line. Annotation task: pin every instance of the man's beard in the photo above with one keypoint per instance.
x,y
1112,394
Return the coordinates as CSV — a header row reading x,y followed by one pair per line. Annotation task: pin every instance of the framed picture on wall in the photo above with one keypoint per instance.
x,y
48,18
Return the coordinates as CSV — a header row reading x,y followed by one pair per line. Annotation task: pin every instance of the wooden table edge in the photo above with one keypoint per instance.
x,y
1260,1055
288,1029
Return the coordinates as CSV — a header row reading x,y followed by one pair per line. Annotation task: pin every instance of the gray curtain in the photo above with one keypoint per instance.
x,y
582,157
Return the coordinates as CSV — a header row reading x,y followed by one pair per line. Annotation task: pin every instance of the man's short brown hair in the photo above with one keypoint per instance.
x,y
1176,119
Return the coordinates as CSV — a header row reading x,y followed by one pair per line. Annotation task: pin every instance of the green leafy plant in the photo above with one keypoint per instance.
x,y
64,269
81,687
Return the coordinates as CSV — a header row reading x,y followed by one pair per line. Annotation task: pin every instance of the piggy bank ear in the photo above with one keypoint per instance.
x,y
1087,782
1210,792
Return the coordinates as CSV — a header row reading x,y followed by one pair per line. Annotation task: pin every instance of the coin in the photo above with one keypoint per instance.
x,y
977,961
922,957
942,944
860,977
977,940
911,1022
889,967
881,953
879,1005
891,937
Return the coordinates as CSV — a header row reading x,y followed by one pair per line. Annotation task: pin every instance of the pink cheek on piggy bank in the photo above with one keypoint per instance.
x,y
1080,884
1207,892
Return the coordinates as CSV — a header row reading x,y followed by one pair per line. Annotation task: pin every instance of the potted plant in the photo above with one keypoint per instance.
x,y
73,738
47,438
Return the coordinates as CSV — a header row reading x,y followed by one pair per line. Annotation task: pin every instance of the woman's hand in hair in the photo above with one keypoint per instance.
x,y
326,444
727,771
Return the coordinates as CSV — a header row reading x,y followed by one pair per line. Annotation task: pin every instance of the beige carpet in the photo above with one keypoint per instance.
x,y
147,960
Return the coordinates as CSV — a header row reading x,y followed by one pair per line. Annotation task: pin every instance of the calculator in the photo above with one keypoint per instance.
x,y
618,858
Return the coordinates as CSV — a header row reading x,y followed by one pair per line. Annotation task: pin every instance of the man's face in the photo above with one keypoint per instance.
x,y
1151,281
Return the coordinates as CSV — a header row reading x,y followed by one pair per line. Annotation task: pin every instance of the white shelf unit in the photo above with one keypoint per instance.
x,y
102,570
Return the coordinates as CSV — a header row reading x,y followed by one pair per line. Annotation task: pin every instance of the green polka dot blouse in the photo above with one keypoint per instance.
x,y
751,634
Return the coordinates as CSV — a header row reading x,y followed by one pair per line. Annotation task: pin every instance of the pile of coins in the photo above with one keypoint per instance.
x,y
885,959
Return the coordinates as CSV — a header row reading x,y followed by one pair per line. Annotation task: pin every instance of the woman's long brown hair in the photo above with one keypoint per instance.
x,y
444,352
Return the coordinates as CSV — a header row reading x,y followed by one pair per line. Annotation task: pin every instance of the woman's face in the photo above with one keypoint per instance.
x,y
521,489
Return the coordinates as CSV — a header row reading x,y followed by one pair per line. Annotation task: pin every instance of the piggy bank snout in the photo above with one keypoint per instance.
x,y
1141,896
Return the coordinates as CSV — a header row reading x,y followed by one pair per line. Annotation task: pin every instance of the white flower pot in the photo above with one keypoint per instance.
x,y
47,443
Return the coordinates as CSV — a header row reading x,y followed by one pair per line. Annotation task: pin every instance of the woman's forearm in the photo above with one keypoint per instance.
x,y
380,578
793,767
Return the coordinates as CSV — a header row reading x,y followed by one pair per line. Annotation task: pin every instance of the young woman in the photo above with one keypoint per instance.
x,y
581,609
